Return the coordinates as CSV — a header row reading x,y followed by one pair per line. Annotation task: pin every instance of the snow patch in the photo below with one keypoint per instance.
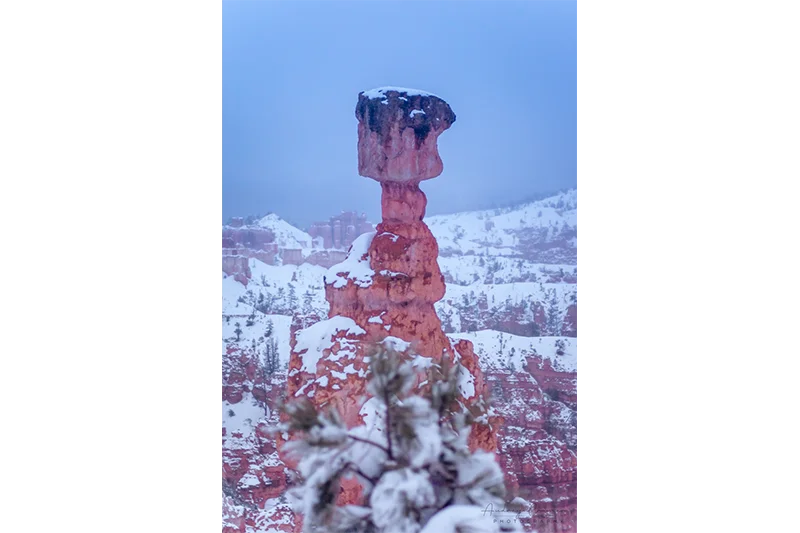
x,y
380,92
312,341
396,344
377,318
466,382
391,235
355,266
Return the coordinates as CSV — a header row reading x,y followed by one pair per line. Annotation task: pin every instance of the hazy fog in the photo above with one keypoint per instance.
x,y
292,72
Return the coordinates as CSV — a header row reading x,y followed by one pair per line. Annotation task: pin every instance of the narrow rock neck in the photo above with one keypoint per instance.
x,y
402,202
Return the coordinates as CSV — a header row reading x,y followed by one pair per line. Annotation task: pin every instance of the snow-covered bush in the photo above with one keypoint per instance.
x,y
410,458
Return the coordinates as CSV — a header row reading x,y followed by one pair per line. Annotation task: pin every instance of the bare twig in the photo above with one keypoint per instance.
x,y
367,441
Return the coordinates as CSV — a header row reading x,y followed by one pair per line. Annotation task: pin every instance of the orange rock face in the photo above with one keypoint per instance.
x,y
386,288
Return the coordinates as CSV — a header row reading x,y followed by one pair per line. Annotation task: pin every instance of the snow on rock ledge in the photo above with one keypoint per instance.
x,y
380,92
355,267
314,340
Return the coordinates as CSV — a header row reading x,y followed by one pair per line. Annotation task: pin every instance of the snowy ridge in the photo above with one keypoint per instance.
x,y
510,231
286,235
497,350
472,269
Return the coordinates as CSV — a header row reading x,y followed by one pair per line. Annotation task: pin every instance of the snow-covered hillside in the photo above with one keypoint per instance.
x,y
276,289
497,350
511,269
543,231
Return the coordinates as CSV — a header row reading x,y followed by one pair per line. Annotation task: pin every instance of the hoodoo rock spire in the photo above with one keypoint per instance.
x,y
385,291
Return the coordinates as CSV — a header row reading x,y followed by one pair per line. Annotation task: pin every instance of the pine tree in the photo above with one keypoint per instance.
x,y
281,294
553,315
412,462
271,357
292,299
560,347
511,356
308,302
447,321
466,302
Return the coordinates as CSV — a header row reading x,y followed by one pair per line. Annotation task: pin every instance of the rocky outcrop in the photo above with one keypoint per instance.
x,y
250,237
237,266
253,475
570,325
241,243
292,256
538,443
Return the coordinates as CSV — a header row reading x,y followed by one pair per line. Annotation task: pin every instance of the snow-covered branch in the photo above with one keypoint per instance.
x,y
424,480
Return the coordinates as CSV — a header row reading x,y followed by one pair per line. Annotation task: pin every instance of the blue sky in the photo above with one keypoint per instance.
x,y
292,71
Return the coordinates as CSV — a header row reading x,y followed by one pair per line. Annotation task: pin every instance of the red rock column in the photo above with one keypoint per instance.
x,y
390,282
397,132
397,146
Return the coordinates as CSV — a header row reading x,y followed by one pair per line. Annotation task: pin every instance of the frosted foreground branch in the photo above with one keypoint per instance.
x,y
411,460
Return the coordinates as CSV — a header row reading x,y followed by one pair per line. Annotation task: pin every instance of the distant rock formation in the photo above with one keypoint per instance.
x,y
237,266
340,231
325,244
240,243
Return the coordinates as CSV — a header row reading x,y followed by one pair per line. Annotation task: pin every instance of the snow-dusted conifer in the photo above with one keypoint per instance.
x,y
271,358
553,315
308,302
411,457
